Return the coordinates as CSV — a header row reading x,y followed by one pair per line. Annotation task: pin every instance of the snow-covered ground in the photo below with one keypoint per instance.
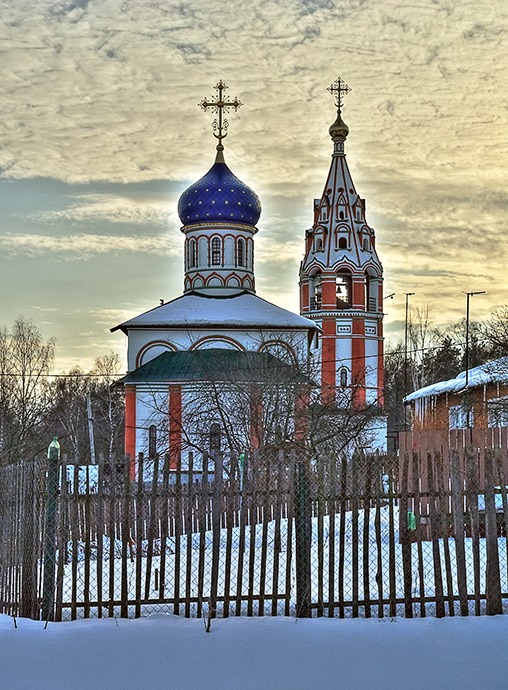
x,y
251,653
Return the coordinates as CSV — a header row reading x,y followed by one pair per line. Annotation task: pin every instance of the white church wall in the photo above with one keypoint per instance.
x,y
371,369
151,408
144,345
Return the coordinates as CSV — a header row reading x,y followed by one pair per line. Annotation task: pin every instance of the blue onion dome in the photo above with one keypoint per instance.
x,y
219,196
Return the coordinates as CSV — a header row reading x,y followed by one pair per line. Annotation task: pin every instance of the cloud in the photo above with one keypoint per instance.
x,y
108,91
85,245
113,208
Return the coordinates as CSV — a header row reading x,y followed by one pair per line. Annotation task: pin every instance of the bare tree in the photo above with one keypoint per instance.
x,y
266,403
25,361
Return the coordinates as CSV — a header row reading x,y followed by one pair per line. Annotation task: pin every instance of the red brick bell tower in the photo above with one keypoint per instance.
x,y
341,283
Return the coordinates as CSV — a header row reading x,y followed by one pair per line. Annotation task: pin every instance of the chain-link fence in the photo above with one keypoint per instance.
x,y
274,533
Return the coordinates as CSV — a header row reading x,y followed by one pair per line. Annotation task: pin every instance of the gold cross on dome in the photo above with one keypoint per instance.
x,y
218,104
339,89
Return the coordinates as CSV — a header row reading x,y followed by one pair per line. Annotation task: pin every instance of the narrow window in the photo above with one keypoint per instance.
x,y
192,254
240,253
342,243
216,252
152,440
215,434
343,377
341,215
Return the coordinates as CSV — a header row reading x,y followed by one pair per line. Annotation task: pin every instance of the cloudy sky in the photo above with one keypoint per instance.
x,y
100,133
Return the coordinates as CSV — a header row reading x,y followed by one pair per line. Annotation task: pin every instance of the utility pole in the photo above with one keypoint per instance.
x,y
468,295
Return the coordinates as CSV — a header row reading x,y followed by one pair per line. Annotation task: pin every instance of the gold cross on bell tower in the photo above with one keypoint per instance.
x,y
218,104
339,89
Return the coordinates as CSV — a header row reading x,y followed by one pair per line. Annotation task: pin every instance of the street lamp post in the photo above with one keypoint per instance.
x,y
468,295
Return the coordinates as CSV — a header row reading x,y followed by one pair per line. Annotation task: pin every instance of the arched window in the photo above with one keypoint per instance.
x,y
192,254
341,215
215,438
240,253
342,243
366,244
343,377
343,289
152,440
315,292
371,292
216,252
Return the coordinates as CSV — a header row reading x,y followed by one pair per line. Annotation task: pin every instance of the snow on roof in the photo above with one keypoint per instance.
x,y
242,310
490,372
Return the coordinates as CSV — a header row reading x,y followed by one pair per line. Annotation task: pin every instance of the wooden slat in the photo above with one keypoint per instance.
x,y
342,532
164,527
367,492
178,535
216,532
472,494
405,539
152,521
355,471
254,477
99,523
277,541
140,491
75,543
445,512
320,537
203,500
243,488
126,536
265,502
379,549
332,509
289,539
190,509
457,503
419,531
434,528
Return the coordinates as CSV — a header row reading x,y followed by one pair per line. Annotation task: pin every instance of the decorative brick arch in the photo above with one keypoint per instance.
x,y
161,345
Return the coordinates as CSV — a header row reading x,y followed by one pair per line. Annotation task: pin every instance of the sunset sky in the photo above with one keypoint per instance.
x,y
100,133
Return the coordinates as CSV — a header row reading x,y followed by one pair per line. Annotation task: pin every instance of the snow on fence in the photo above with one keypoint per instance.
x,y
275,534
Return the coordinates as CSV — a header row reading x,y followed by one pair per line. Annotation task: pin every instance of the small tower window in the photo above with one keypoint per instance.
x,y
240,253
216,252
366,244
343,377
341,215
192,254
342,243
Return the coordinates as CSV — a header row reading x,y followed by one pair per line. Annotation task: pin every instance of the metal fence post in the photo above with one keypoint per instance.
x,y
48,588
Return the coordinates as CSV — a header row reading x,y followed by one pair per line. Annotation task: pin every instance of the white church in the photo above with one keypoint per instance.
x,y
219,356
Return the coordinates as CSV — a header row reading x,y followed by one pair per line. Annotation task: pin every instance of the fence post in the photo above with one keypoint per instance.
x,y
303,533
29,607
492,574
48,588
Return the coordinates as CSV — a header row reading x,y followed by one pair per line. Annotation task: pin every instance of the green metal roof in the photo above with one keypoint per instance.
x,y
216,365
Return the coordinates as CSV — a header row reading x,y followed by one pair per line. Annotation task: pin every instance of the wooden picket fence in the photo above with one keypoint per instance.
x,y
417,535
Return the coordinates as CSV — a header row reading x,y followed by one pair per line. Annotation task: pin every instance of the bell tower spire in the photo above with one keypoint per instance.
x,y
341,281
